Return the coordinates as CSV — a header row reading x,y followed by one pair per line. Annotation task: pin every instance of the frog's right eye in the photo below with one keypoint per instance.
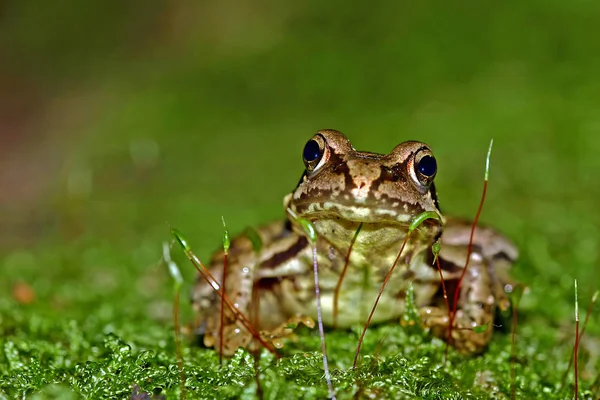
x,y
313,153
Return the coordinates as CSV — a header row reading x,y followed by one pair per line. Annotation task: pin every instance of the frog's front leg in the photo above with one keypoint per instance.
x,y
239,289
473,323
255,284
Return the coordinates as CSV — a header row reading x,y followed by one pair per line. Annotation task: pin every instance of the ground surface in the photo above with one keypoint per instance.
x,y
119,120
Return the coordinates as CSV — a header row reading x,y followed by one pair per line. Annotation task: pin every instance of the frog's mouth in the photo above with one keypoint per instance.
x,y
402,215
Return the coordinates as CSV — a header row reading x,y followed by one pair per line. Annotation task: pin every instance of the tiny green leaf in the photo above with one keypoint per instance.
x,y
480,328
436,247
576,302
410,318
175,273
309,228
516,294
254,237
226,240
487,160
182,241
173,268
419,219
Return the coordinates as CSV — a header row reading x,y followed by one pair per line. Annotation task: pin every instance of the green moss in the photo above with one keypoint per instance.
x,y
54,359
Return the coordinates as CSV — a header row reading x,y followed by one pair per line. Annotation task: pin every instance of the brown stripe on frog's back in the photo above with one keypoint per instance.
x,y
290,252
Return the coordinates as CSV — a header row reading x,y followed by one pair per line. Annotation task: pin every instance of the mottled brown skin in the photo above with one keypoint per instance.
x,y
338,191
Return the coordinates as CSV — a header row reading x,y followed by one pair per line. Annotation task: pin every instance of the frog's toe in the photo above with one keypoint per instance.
x,y
466,335
286,330
234,337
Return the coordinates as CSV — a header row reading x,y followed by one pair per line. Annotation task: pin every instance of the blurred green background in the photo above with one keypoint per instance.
x,y
117,118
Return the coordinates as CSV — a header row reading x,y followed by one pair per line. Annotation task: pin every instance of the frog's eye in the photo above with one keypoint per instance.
x,y
313,153
427,166
424,167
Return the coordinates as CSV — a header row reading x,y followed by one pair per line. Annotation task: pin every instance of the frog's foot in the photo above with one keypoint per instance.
x,y
286,330
467,335
234,336
472,325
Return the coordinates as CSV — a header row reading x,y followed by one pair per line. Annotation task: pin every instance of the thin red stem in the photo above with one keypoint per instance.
x,y
575,357
207,276
576,347
336,292
385,281
469,251
583,328
439,268
178,344
254,311
320,322
259,389
513,351
222,308
443,284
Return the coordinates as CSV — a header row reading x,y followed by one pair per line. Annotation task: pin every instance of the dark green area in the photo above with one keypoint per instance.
x,y
228,96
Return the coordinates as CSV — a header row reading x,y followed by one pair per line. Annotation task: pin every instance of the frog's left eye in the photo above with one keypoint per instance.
x,y
313,152
427,166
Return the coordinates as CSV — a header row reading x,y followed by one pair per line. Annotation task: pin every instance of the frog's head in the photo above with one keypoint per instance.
x,y
340,183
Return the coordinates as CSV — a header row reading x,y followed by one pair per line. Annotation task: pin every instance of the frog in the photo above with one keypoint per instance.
x,y
360,205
